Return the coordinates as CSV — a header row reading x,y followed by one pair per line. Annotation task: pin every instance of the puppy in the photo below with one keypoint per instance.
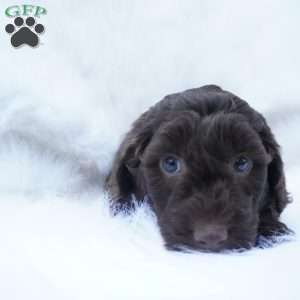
x,y
210,168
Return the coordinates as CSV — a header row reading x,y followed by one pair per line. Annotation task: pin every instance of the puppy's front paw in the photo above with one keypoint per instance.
x,y
273,228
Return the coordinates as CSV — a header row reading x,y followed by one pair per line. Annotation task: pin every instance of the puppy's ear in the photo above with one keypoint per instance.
x,y
277,196
125,180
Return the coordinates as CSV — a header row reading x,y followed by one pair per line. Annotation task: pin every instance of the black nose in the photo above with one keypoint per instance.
x,y
210,236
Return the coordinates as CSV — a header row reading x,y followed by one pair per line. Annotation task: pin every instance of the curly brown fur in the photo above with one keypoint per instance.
x,y
209,203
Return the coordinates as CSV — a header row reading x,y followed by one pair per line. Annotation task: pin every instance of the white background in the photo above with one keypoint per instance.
x,y
64,107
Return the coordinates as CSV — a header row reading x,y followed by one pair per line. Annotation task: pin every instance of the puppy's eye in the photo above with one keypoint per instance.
x,y
170,165
242,164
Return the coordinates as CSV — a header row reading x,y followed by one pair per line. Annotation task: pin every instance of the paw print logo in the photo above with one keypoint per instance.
x,y
24,33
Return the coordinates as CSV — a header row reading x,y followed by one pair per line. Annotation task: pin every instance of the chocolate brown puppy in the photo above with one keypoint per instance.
x,y
210,168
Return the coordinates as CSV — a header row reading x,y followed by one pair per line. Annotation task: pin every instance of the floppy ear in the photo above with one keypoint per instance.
x,y
277,196
125,180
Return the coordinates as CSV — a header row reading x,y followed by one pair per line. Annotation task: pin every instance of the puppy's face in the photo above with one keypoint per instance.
x,y
209,166
205,178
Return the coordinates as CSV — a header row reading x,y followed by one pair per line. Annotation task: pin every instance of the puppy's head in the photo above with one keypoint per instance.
x,y
208,178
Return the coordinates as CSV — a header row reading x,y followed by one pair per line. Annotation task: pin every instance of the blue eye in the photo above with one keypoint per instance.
x,y
242,164
170,165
